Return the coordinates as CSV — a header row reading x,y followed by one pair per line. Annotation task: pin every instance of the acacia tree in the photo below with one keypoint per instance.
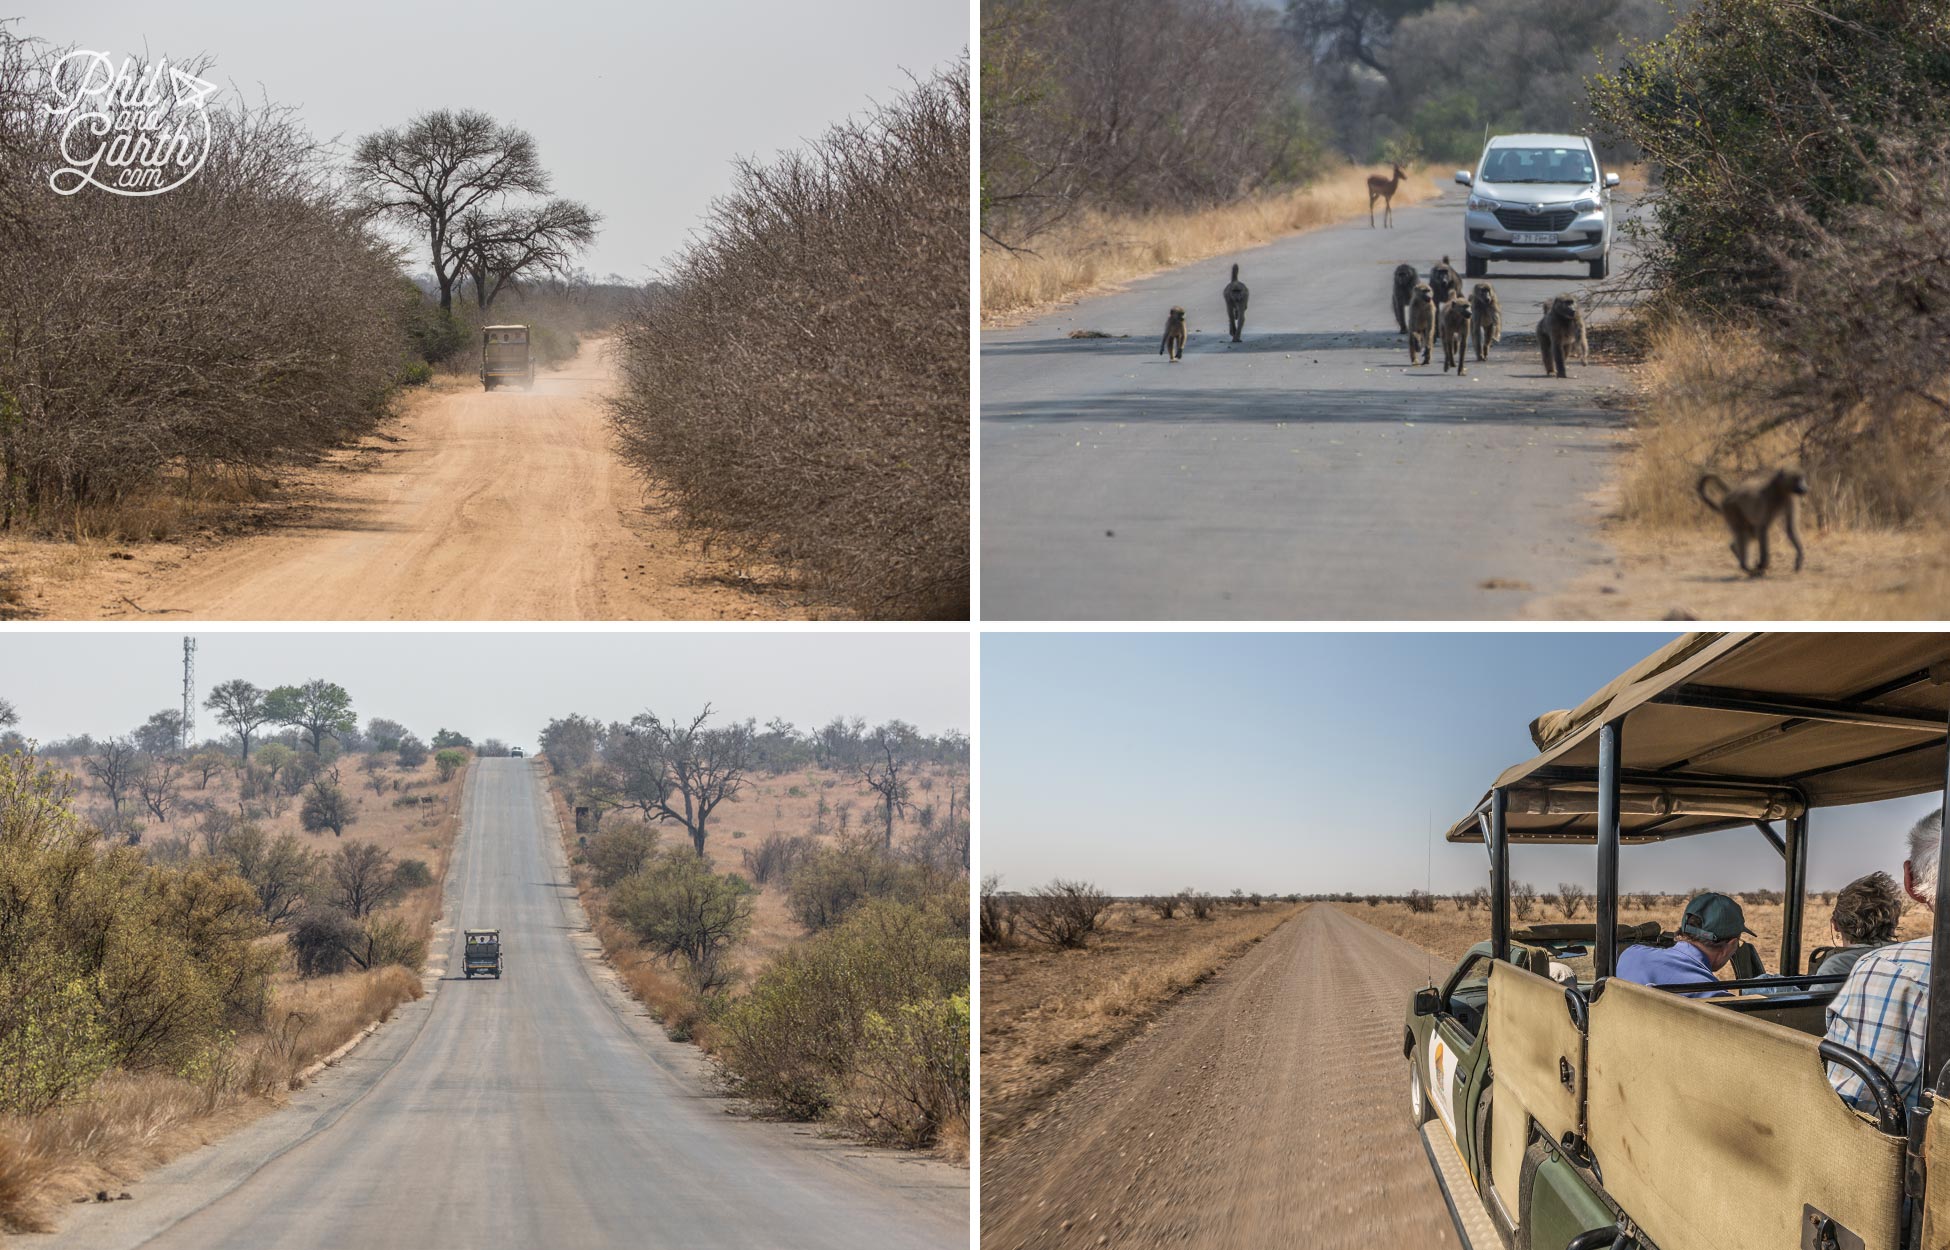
x,y
239,705
362,878
322,709
113,766
450,175
886,776
680,772
497,250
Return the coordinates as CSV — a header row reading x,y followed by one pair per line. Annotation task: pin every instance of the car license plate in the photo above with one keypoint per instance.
x,y
1533,238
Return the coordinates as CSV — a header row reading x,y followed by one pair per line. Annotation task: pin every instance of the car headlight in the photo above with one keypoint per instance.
x,y
1478,203
1589,204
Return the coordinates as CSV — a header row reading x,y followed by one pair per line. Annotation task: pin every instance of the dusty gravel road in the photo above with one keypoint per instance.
x,y
477,505
536,1111
1307,473
1265,1109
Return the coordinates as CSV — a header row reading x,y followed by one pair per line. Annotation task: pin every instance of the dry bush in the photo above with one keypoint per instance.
x,y
1420,901
1571,898
1523,900
164,357
1200,904
776,857
999,913
1064,913
1166,905
1096,248
800,387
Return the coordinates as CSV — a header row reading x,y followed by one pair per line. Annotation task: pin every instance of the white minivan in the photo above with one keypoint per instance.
x,y
1537,198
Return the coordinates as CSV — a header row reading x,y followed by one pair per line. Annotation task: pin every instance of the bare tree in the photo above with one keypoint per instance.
x,y
686,769
1523,900
361,878
443,168
157,780
113,766
887,777
1570,897
498,250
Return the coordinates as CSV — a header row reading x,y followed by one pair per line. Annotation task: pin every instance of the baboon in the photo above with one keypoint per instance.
x,y
1562,325
1384,189
1443,279
1749,510
1421,322
1236,305
1405,280
1455,334
1485,319
1174,344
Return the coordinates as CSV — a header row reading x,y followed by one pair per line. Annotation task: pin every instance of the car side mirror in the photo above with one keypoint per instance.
x,y
1427,1001
1462,177
1611,180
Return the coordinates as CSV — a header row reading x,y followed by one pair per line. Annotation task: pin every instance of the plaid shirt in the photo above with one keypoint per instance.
x,y
1881,1011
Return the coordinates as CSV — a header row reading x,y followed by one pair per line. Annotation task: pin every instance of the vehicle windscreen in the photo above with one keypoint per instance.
x,y
1538,165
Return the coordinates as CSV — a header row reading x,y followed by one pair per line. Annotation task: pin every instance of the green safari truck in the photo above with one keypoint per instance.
x,y
481,953
505,360
1561,1107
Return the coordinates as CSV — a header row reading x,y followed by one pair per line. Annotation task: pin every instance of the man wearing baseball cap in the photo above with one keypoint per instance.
x,y
1709,934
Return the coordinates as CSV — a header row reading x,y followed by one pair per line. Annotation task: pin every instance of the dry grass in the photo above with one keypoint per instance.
x,y
1449,933
1873,523
131,1123
1095,250
1049,1015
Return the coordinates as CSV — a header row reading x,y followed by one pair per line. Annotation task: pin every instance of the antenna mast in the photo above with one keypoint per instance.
x,y
189,692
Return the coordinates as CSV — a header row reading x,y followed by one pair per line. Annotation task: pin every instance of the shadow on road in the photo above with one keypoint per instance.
x,y
1352,407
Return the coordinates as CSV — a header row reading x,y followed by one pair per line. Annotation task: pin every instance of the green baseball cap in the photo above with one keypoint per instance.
x,y
1714,918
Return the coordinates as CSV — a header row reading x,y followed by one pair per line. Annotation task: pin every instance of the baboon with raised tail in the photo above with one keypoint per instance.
x,y
1443,281
1485,319
1455,334
1174,344
1421,323
1235,305
1750,509
1562,326
1405,279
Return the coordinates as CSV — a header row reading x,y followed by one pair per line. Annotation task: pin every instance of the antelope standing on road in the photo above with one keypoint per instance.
x,y
1384,190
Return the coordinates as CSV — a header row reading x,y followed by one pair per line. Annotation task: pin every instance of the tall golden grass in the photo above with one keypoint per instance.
x,y
1095,249
1700,409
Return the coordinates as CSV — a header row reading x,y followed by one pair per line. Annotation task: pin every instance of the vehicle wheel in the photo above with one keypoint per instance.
x,y
1418,1102
1476,266
1601,267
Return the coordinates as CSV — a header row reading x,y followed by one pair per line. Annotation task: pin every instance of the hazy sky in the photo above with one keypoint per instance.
x,y
637,109
497,685
1316,763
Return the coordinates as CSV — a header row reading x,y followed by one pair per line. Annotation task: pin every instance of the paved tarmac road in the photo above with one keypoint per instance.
x,y
1307,473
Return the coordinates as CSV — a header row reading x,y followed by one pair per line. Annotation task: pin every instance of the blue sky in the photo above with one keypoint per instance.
x,y
1315,763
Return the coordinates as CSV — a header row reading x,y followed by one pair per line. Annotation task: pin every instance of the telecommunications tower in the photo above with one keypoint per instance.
x,y
189,692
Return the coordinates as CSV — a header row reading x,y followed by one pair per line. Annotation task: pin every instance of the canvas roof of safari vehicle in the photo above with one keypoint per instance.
x,y
1718,730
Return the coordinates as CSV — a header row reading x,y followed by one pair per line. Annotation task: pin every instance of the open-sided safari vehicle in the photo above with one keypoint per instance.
x,y
1564,1108
481,953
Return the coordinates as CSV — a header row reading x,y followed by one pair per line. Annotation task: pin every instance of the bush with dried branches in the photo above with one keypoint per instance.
x,y
1064,913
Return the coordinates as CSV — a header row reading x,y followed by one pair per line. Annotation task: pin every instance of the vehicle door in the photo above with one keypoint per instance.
x,y
1454,1040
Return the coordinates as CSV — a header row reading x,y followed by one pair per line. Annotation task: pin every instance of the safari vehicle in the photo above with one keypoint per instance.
x,y
1537,198
515,751
481,953
1561,1107
505,360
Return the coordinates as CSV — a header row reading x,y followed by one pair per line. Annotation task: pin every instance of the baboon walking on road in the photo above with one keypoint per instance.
x,y
1421,323
1485,319
1236,305
1405,279
1562,326
1174,344
1455,334
1443,280
1749,510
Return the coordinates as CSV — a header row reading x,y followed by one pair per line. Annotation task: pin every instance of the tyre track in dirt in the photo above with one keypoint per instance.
x,y
1266,1108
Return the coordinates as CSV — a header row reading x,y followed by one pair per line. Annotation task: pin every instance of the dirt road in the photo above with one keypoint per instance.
x,y
538,1110
1307,473
1266,1109
477,505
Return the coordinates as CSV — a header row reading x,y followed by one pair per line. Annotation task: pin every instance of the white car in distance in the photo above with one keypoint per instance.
x,y
1537,198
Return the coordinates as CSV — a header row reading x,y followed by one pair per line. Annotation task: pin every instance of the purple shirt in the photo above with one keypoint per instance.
x,y
1682,963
